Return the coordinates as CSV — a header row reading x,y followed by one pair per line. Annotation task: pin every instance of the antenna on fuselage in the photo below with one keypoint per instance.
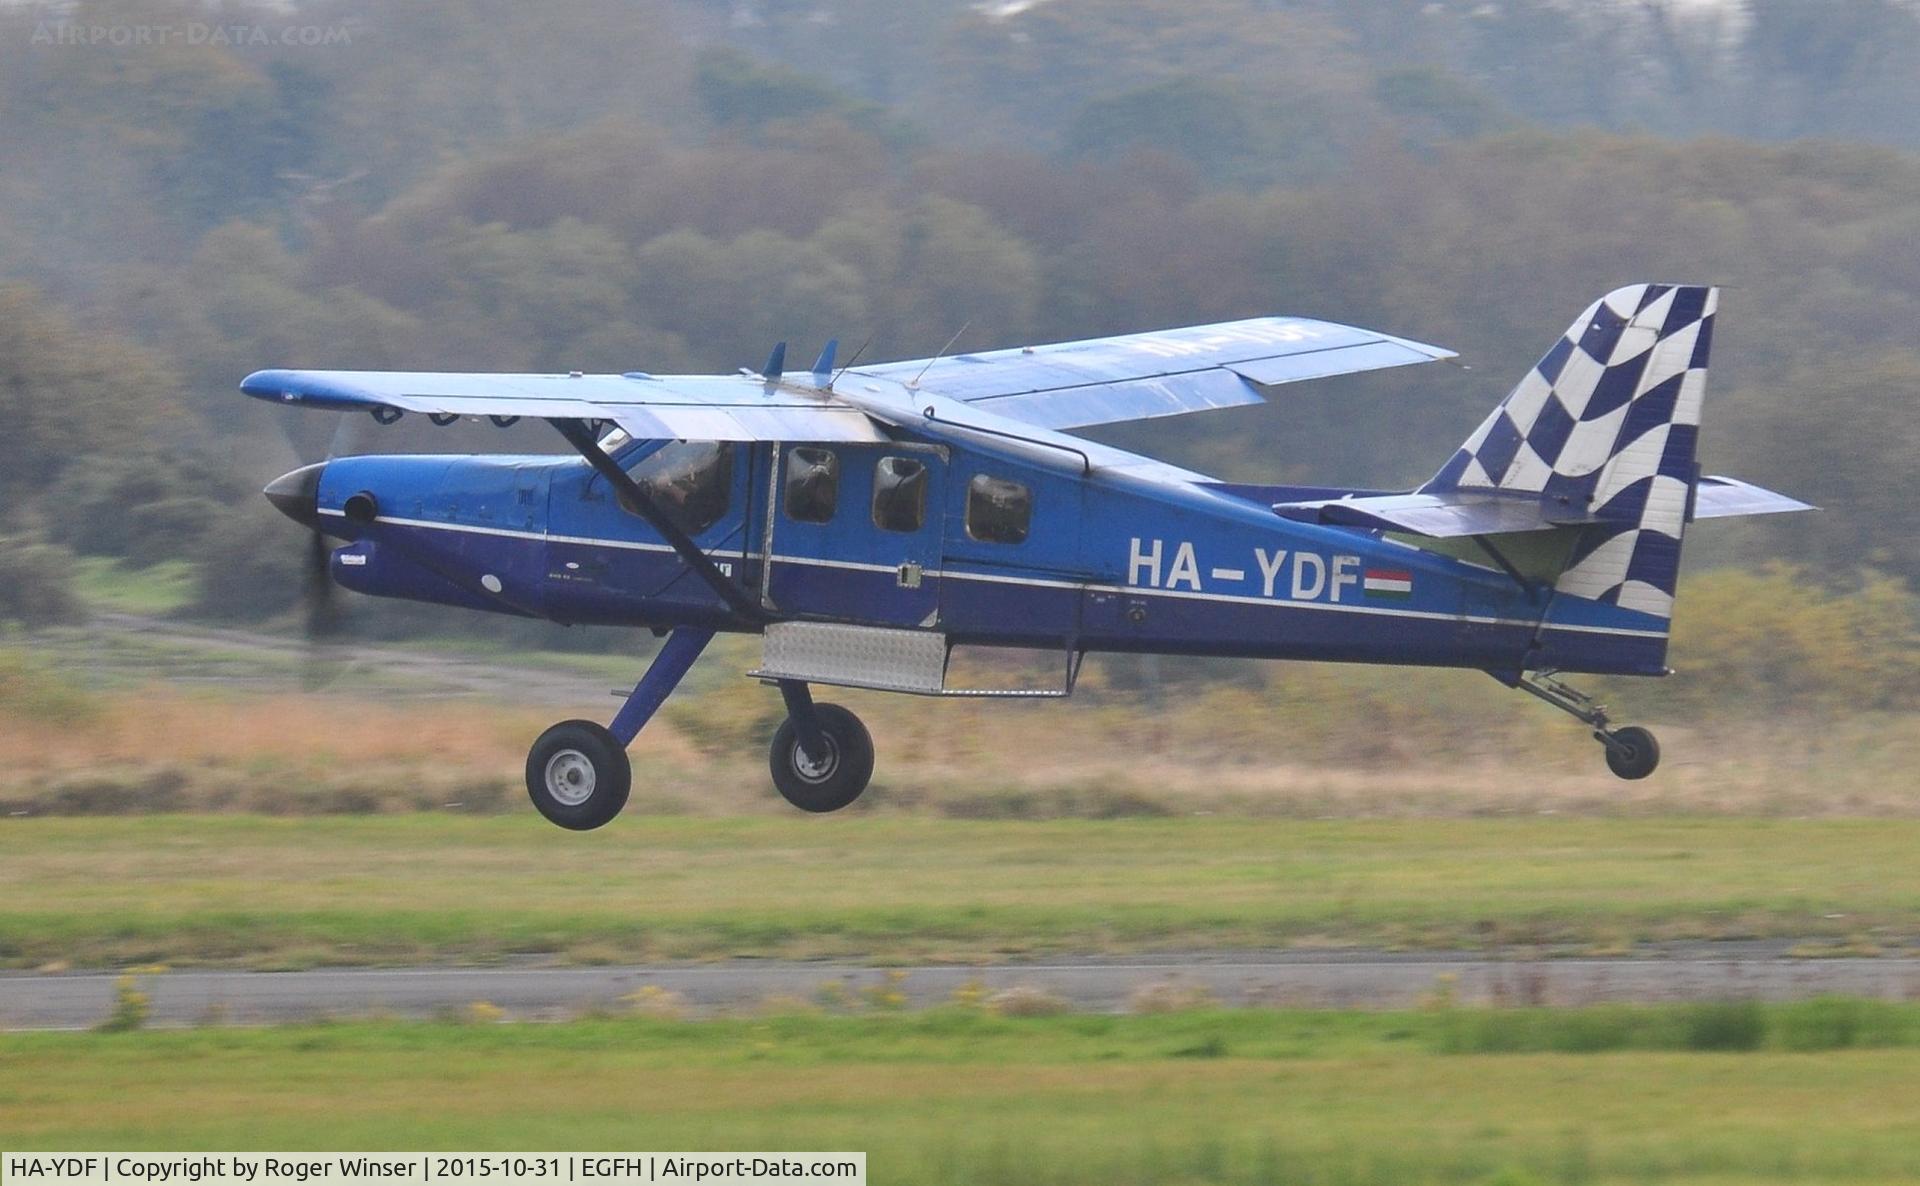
x,y
915,385
856,358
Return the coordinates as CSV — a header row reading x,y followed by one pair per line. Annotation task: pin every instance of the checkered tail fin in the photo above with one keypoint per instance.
x,y
1603,428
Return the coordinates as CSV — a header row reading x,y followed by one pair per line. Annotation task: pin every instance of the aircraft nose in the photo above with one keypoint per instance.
x,y
297,494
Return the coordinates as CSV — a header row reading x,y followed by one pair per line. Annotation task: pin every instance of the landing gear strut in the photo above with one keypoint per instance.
x,y
822,756
578,775
1631,751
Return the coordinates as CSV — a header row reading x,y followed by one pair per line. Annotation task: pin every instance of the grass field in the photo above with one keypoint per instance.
x,y
961,1096
254,891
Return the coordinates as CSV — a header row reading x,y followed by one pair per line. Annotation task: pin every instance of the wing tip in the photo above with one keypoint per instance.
x,y
267,384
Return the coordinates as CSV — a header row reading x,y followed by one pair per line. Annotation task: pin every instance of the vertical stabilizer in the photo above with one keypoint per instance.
x,y
1606,425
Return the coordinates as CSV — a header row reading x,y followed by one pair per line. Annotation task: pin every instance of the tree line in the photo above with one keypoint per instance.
x,y
670,186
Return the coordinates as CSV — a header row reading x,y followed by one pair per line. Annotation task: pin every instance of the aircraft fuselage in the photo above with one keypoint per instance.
x,y
1007,548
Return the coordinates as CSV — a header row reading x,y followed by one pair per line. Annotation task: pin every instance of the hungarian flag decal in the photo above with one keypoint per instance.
x,y
1387,582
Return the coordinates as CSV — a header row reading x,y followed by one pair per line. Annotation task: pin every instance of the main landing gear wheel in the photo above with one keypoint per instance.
x,y
578,775
829,781
1631,752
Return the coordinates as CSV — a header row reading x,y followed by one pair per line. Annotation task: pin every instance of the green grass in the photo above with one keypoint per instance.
x,y
157,589
1821,1023
955,1096
278,892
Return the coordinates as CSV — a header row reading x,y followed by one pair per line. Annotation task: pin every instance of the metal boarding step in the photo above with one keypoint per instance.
x,y
880,659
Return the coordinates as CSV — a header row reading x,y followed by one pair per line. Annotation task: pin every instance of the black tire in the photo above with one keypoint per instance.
x,y
1632,752
578,775
833,783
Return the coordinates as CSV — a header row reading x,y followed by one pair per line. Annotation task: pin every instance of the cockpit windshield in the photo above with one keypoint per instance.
x,y
690,481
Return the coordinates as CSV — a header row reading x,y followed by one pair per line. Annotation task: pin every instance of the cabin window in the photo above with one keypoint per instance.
x,y
691,482
899,494
813,485
999,511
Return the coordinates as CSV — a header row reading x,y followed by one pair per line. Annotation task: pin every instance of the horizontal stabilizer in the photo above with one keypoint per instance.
x,y
1450,514
1441,516
1722,498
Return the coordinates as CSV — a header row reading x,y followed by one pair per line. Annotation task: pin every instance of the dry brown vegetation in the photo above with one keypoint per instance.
x,y
1792,701
1346,748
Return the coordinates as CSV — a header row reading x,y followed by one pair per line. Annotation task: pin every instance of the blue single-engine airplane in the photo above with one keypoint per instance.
x,y
865,522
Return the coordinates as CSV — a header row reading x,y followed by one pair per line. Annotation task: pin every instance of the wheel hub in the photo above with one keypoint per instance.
x,y
570,777
819,770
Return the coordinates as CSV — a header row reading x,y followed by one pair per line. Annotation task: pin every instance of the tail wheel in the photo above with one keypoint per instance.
x,y
1632,752
578,775
827,781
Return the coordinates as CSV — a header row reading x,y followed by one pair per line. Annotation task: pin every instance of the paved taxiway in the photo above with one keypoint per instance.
x,y
1343,979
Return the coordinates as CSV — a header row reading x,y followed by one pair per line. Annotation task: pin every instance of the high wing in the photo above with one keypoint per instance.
x,y
1141,376
1065,385
677,407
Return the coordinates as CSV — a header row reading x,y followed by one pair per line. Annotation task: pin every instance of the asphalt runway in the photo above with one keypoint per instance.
x,y
1346,979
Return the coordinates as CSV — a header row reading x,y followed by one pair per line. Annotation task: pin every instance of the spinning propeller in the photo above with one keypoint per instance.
x,y
296,495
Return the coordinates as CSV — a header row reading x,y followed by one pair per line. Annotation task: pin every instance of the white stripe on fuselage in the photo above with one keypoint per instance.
x,y
1037,582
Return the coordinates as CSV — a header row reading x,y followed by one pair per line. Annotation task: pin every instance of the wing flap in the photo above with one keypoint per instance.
x,y
1376,355
1166,373
1138,399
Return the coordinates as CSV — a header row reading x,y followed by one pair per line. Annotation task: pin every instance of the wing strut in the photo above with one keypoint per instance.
x,y
632,494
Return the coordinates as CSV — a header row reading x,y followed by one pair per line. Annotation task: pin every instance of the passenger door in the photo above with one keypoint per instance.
x,y
853,533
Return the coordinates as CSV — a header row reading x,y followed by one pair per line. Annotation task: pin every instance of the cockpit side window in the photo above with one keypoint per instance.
x,y
813,484
691,481
999,511
899,494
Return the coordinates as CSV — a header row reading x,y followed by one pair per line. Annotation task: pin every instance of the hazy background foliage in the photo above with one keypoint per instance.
x,y
674,184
